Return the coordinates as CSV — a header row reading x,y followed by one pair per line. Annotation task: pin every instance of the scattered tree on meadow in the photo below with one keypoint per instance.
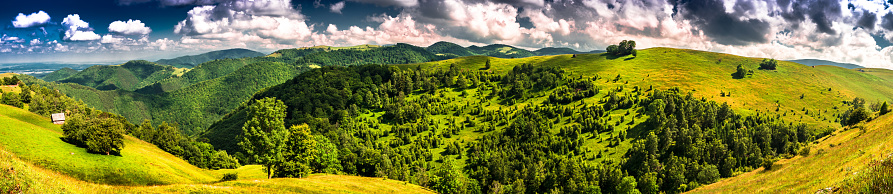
x,y
264,135
98,133
768,64
884,109
626,47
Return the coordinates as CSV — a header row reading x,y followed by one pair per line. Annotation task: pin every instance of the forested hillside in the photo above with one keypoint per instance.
x,y
449,49
205,93
665,120
128,76
59,74
193,60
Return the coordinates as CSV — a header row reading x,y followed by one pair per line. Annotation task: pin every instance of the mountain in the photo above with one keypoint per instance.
x,y
60,74
595,120
814,62
35,160
555,51
197,98
495,50
128,76
193,60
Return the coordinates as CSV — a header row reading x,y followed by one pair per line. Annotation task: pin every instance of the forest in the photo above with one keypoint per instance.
x,y
457,130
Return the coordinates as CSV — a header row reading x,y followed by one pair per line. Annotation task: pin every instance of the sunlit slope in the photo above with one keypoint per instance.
x,y
29,178
34,160
35,139
709,75
842,155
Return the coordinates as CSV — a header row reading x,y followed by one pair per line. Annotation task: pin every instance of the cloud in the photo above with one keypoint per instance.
x,y
399,3
31,20
77,29
336,8
130,27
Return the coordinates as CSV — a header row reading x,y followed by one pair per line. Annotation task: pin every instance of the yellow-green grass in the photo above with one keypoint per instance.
x,y
33,156
9,88
841,156
705,75
34,179
708,74
36,140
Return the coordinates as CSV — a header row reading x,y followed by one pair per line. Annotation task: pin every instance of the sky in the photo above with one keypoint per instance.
x,y
851,31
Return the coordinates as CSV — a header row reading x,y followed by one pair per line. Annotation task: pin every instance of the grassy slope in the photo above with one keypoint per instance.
x,y
840,156
706,75
37,161
6,88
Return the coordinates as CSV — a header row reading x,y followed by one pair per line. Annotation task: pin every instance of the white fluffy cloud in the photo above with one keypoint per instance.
x,y
77,29
337,7
130,27
31,20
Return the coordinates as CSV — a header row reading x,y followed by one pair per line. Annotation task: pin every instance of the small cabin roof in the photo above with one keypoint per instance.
x,y
58,116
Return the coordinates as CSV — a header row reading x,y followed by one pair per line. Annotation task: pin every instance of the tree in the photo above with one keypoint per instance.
x,y
98,133
447,180
741,72
487,65
628,186
299,152
768,64
326,158
264,134
884,109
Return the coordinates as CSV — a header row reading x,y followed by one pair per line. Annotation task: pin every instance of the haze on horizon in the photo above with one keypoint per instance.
x,y
849,31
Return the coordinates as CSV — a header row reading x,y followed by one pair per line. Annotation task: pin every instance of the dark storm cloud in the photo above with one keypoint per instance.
x,y
820,12
867,20
887,21
722,27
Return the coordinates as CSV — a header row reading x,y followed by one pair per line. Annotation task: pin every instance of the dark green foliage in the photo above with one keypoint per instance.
x,y
768,64
768,163
59,74
397,54
169,138
626,47
230,177
98,132
299,153
448,48
193,60
523,78
884,109
741,72
264,135
129,76
12,99
10,80
857,113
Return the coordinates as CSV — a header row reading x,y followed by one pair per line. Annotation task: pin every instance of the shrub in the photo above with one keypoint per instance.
x,y
768,64
768,163
230,177
102,133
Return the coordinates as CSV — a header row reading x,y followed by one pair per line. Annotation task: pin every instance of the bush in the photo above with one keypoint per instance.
x,y
768,163
230,177
102,133
768,64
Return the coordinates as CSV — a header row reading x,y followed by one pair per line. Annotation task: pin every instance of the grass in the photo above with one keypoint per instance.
x,y
34,160
840,156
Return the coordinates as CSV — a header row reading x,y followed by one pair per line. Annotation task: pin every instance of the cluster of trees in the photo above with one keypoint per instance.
x,y
626,47
768,64
169,138
98,131
14,80
859,112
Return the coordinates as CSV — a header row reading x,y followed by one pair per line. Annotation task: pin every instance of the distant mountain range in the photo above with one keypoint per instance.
x,y
814,62
193,60
497,50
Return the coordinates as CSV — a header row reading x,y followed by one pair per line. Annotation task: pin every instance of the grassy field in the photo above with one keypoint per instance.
x,y
7,88
838,157
34,159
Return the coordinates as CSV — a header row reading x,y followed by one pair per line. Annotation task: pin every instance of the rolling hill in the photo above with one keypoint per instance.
x,y
128,76
59,74
496,50
193,60
35,160
814,62
515,109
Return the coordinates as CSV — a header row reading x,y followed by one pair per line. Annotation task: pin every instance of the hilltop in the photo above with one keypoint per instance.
x,y
128,76
814,62
589,111
495,50
59,74
191,61
35,159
